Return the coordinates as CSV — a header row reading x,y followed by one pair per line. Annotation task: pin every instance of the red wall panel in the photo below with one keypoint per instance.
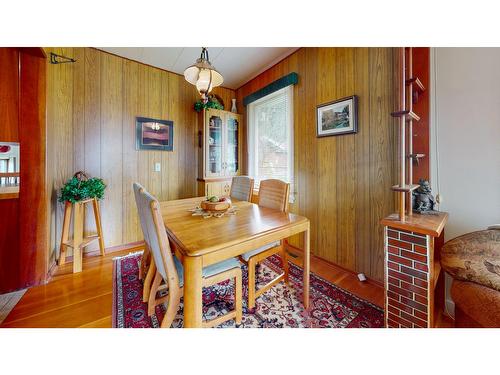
x,y
421,64
9,94
23,221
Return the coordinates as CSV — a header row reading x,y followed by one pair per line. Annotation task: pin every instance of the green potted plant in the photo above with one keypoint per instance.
x,y
80,187
212,102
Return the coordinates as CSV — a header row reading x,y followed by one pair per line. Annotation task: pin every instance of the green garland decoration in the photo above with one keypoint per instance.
x,y
199,106
75,189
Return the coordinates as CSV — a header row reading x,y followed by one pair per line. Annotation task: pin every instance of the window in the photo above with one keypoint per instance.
x,y
270,137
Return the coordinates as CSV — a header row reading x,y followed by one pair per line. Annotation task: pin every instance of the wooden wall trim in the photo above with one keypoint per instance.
x,y
32,195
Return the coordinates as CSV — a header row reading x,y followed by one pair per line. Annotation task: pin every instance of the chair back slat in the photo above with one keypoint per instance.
x,y
242,188
155,235
142,214
274,194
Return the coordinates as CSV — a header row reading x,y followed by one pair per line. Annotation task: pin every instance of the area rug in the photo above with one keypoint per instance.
x,y
279,307
8,302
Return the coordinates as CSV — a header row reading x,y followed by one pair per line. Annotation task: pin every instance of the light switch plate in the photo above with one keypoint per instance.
x,y
157,167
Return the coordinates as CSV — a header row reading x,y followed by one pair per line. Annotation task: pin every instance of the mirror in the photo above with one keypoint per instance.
x,y
9,164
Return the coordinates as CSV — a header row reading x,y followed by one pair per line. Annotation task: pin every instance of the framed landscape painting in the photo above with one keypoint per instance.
x,y
154,134
337,117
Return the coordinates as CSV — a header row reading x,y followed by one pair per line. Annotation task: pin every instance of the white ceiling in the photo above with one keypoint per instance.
x,y
237,65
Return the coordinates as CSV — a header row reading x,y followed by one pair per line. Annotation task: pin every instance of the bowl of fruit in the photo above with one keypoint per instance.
x,y
216,204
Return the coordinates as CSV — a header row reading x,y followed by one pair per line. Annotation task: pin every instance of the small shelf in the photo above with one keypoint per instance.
x,y
85,242
416,156
416,81
423,224
405,188
411,115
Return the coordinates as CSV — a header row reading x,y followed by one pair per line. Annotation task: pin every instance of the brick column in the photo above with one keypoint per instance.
x,y
409,293
411,271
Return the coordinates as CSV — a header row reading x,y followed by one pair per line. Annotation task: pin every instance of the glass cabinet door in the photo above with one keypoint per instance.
x,y
232,154
214,149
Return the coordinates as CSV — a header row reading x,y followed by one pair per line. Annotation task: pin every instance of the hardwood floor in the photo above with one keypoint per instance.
x,y
69,300
85,299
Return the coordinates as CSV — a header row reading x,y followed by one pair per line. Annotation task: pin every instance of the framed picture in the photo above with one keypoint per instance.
x,y
154,134
337,117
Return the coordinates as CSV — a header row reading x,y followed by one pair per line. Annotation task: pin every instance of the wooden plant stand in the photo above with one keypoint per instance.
x,y
79,242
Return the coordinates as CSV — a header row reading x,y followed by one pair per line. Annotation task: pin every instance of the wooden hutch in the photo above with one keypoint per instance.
x,y
220,155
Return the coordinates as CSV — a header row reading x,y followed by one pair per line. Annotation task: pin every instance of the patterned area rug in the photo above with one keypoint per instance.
x,y
281,306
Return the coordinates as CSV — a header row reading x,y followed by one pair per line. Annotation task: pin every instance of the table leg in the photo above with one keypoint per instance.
x,y
192,292
306,266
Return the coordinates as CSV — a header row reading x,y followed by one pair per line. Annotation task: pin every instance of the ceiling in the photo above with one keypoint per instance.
x,y
237,65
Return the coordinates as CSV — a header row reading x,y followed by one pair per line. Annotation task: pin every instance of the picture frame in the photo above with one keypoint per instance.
x,y
153,134
337,117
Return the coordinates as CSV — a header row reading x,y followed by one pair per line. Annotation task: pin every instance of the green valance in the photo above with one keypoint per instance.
x,y
289,79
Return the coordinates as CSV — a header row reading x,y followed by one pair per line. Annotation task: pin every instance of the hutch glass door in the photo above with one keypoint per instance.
x,y
232,146
214,140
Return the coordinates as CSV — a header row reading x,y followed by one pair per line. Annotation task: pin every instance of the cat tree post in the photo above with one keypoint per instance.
x,y
411,258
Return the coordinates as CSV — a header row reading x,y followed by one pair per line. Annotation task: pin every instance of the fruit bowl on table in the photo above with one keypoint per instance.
x,y
216,205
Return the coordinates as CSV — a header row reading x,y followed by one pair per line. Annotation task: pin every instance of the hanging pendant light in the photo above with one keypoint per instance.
x,y
203,75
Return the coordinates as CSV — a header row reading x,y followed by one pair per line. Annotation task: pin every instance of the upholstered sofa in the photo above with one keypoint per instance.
x,y
473,260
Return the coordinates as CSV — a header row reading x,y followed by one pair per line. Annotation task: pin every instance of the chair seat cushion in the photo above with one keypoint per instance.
x,y
474,257
208,271
251,253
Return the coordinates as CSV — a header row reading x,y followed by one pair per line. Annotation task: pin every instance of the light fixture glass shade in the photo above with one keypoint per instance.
x,y
203,75
204,82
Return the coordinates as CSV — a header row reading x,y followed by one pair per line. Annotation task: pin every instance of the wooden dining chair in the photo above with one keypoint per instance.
x,y
242,188
147,267
272,194
169,270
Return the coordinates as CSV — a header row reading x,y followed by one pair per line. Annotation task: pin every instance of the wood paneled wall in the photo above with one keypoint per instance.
x,y
343,182
92,105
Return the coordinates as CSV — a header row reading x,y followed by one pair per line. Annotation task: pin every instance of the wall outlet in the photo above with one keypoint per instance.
x,y
157,167
361,277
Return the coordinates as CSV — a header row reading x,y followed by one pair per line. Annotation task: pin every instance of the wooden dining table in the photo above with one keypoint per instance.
x,y
200,242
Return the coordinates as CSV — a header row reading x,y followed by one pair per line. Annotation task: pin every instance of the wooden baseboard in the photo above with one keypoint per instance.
x,y
368,279
132,246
